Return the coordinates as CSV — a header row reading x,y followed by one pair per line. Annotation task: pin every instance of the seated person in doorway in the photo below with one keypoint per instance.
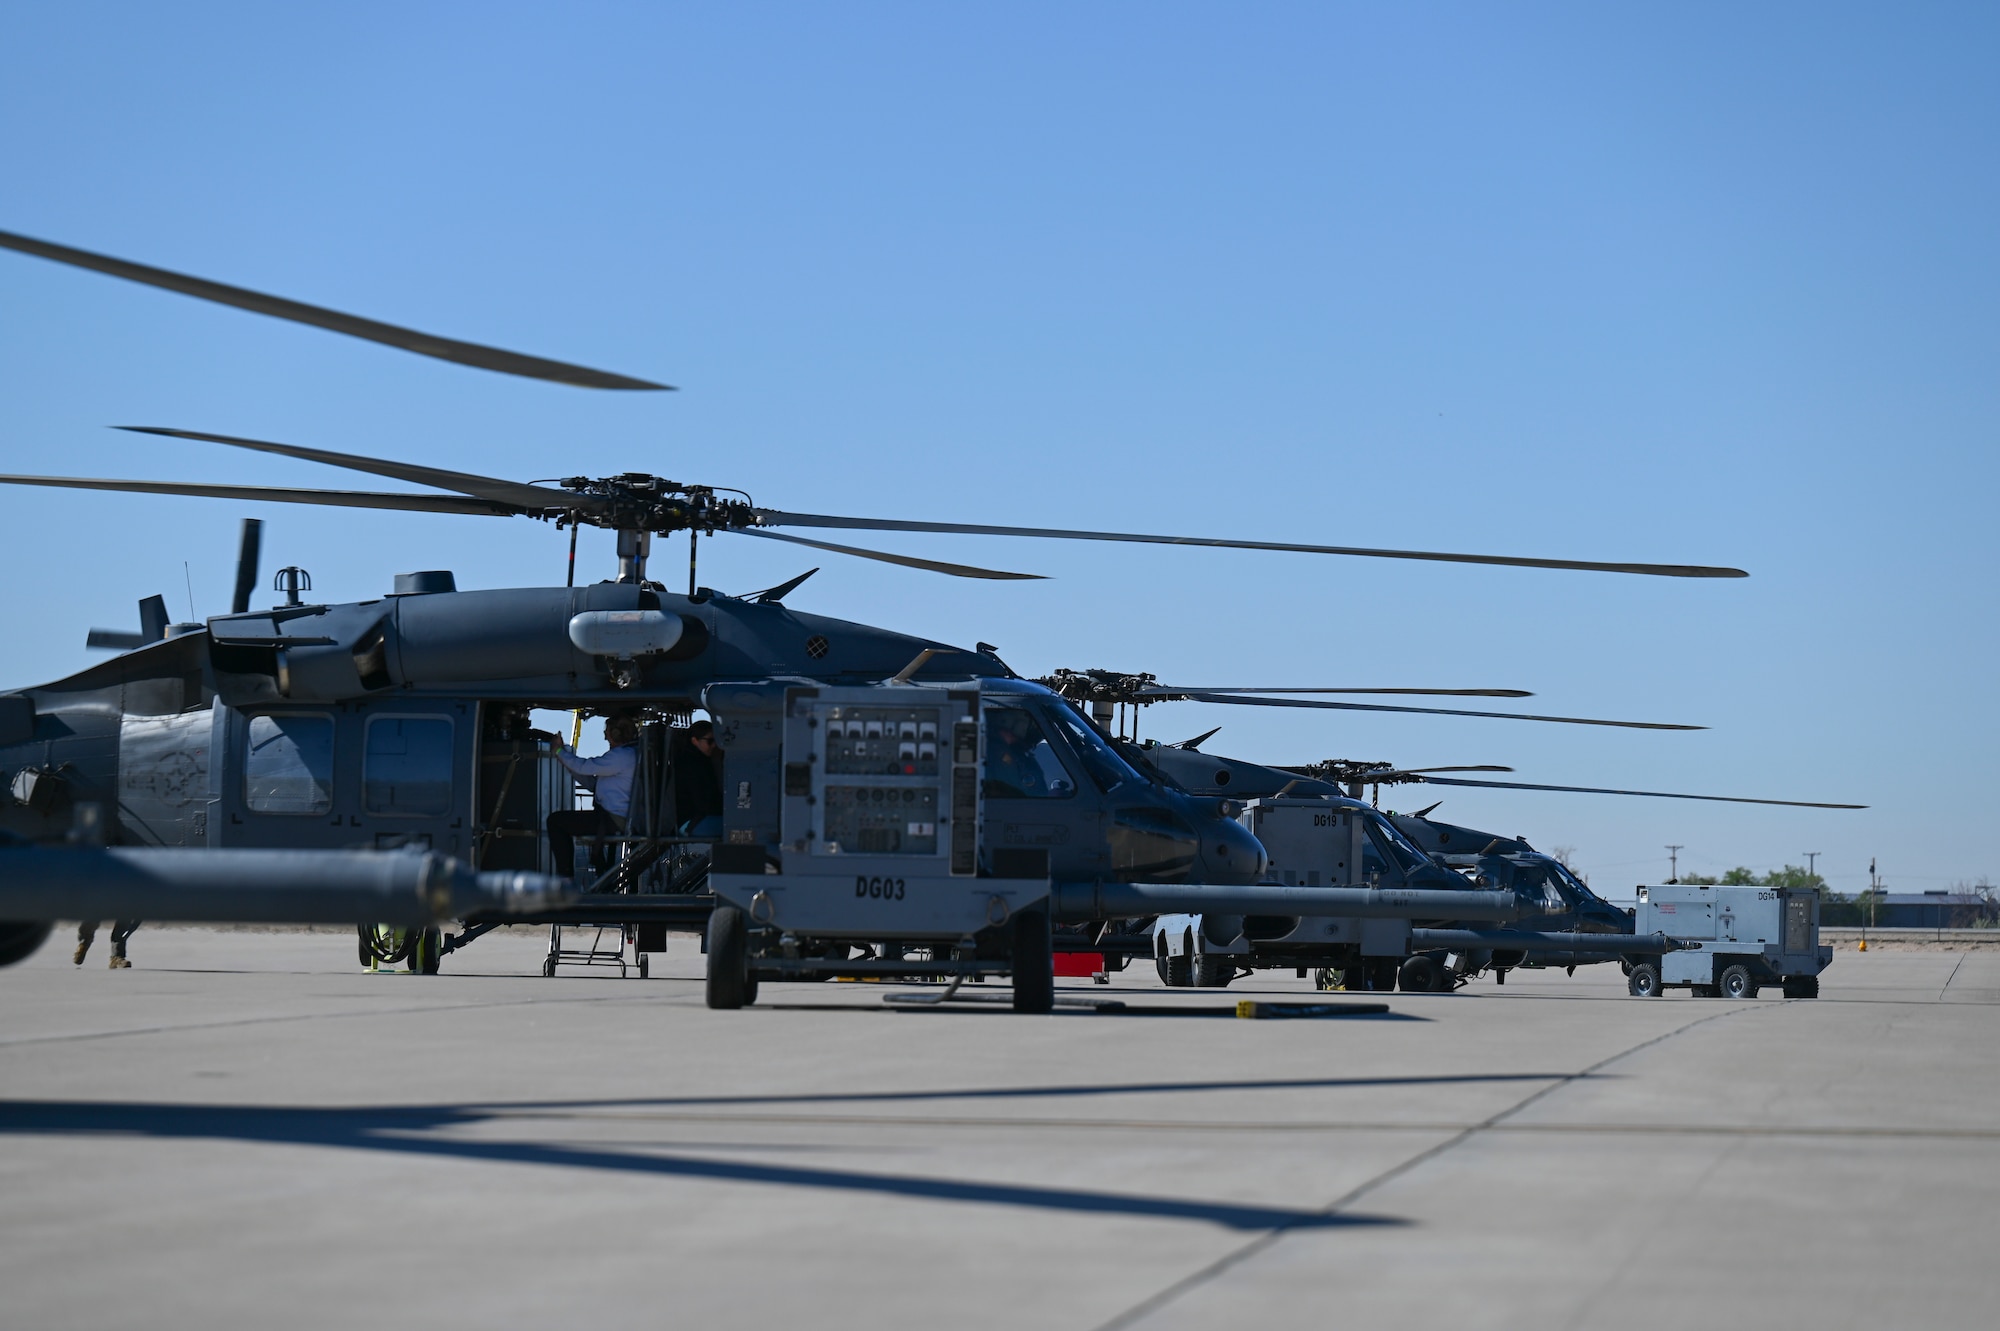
x,y
697,763
609,777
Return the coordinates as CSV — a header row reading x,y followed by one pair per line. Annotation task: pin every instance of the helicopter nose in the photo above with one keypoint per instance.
x,y
1230,854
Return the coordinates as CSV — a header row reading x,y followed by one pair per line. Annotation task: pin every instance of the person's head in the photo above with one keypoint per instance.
x,y
702,735
620,731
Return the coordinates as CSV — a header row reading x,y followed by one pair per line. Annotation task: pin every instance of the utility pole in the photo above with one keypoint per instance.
x,y
1811,855
1874,890
1674,863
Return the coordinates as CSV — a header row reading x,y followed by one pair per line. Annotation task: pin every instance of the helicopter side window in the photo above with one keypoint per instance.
x,y
1021,764
288,764
407,767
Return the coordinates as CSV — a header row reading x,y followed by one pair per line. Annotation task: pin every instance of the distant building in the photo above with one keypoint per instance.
x,y
1932,910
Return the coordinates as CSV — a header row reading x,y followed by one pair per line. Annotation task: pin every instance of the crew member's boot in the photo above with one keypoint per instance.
x,y
120,964
82,948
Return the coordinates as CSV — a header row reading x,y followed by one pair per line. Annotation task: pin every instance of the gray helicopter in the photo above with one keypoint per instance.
x,y
399,720
1571,925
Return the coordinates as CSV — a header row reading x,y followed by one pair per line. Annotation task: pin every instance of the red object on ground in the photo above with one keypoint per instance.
x,y
1079,964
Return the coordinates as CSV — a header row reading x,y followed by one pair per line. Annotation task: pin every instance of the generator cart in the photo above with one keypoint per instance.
x,y
852,824
1735,940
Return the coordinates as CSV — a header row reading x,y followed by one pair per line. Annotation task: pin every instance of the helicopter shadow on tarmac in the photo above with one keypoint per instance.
x,y
393,1129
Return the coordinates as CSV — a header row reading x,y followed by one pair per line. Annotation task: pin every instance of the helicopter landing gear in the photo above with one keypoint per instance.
x,y
1328,978
1422,975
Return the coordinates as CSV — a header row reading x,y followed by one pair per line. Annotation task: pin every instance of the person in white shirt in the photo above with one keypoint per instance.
x,y
609,777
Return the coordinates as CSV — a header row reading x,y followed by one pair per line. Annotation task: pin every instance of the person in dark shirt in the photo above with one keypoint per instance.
x,y
697,765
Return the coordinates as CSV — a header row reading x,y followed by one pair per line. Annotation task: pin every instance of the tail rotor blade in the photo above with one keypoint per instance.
x,y
247,552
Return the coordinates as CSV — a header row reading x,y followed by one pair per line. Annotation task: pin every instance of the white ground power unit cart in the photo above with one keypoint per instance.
x,y
1736,940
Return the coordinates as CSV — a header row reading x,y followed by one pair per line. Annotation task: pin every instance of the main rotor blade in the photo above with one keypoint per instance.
x,y
512,493
774,518
907,561
1440,693
1475,767
328,498
406,339
1430,711
1653,794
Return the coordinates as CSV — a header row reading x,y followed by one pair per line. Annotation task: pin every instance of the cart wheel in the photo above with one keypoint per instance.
x,y
1422,975
1034,962
362,946
1737,982
1802,986
1211,972
643,969
1175,972
729,982
1326,978
1643,981
549,967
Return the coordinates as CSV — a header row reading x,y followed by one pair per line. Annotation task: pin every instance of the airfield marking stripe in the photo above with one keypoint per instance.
x,y
1228,1261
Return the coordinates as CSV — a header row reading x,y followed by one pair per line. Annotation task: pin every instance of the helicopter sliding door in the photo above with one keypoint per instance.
x,y
417,760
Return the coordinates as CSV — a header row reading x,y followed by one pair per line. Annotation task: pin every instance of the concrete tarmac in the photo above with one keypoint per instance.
x,y
243,1131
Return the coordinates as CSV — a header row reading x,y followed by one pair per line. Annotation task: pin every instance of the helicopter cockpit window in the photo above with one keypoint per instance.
x,y
407,767
1106,768
1020,761
1387,848
288,764
1397,848
1571,886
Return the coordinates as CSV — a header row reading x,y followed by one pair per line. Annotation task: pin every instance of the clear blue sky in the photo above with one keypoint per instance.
x,y
1704,283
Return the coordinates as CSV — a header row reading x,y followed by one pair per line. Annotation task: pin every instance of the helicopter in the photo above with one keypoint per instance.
x,y
390,721
1408,846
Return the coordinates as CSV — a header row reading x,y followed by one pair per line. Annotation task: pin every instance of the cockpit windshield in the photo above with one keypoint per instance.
x,y
1106,768
1571,884
1395,846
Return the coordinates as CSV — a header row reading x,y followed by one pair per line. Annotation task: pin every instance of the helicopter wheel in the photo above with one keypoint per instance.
x,y
1422,975
1327,978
